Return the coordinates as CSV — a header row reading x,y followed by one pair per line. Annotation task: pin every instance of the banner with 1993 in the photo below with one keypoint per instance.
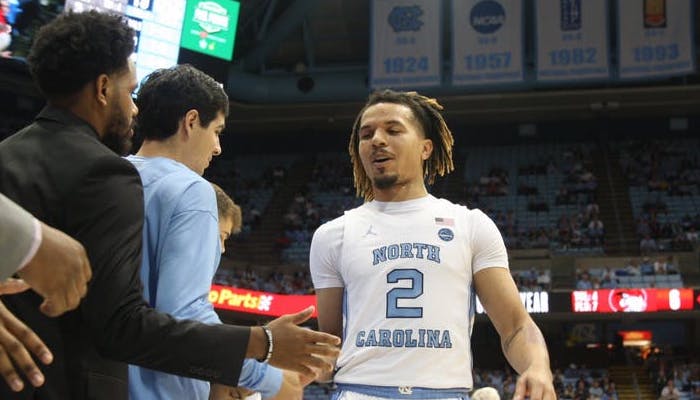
x,y
655,38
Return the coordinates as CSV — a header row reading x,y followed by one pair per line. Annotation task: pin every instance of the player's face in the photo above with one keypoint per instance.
x,y
120,124
205,144
392,146
225,228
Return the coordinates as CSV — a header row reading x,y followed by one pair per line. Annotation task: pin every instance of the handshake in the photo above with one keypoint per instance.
x,y
303,354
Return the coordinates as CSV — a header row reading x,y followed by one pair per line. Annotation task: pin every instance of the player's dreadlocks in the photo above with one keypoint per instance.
x,y
427,112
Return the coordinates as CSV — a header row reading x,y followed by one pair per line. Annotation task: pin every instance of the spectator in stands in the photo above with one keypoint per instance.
x,y
581,391
584,282
595,392
544,279
569,392
596,230
610,392
564,197
632,268
670,391
648,245
660,266
646,267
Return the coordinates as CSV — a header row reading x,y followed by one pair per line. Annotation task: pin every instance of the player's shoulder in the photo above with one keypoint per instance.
x,y
457,209
330,228
336,226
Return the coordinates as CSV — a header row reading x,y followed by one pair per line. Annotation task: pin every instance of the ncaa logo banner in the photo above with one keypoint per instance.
x,y
655,38
487,42
405,43
572,40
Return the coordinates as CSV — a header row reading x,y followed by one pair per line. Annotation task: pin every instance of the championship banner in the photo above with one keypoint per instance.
x,y
405,43
572,40
252,302
655,38
487,42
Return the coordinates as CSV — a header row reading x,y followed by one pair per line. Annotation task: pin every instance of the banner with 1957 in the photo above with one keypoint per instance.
x,y
405,42
572,40
655,38
487,42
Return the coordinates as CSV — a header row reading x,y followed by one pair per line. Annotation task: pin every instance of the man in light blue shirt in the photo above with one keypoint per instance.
x,y
182,114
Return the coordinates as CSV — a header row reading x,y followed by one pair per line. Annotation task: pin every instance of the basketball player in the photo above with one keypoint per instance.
x,y
397,275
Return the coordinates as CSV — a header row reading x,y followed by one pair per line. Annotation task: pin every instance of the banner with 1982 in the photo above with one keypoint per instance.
x,y
572,40
405,41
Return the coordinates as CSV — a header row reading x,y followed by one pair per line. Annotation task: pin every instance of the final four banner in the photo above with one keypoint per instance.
x,y
405,41
655,38
572,40
487,42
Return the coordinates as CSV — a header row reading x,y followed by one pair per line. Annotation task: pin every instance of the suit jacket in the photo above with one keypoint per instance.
x,y
57,169
16,236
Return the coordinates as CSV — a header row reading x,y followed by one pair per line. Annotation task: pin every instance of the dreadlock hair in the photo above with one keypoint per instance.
x,y
426,111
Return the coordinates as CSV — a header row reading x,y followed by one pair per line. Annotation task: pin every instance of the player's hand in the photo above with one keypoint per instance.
x,y
299,349
59,272
536,383
16,342
291,389
223,392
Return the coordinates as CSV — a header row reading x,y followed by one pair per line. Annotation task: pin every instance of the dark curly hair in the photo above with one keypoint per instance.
x,y
167,94
426,111
76,48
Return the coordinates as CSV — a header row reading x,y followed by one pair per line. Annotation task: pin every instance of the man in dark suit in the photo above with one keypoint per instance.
x,y
63,169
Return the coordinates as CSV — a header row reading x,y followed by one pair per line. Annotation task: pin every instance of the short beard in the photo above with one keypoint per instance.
x,y
385,182
118,144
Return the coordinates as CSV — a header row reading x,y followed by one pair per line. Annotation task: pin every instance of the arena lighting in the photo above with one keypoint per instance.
x,y
635,338
631,300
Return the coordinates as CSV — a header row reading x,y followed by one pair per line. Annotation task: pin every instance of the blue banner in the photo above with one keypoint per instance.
x,y
655,38
572,40
405,41
487,42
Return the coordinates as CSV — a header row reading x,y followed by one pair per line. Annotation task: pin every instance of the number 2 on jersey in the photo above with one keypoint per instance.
x,y
392,297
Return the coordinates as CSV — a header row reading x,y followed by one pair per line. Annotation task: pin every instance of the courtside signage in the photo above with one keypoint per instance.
x,y
631,300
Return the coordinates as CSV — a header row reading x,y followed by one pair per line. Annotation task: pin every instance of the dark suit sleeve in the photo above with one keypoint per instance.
x,y
106,214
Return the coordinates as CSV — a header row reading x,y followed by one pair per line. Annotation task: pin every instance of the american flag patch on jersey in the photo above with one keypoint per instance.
x,y
445,221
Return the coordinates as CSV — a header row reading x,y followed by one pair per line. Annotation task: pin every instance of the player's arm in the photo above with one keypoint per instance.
x,y
330,310
330,318
328,282
522,341
185,262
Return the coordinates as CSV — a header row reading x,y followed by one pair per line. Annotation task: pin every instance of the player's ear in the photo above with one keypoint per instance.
x,y
427,149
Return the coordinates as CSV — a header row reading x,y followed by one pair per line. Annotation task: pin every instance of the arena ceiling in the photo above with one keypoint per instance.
x,y
292,57
284,46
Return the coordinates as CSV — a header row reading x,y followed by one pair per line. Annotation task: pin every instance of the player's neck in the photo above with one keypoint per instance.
x,y
400,192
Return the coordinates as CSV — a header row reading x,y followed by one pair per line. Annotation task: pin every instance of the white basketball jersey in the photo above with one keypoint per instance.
x,y
407,271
